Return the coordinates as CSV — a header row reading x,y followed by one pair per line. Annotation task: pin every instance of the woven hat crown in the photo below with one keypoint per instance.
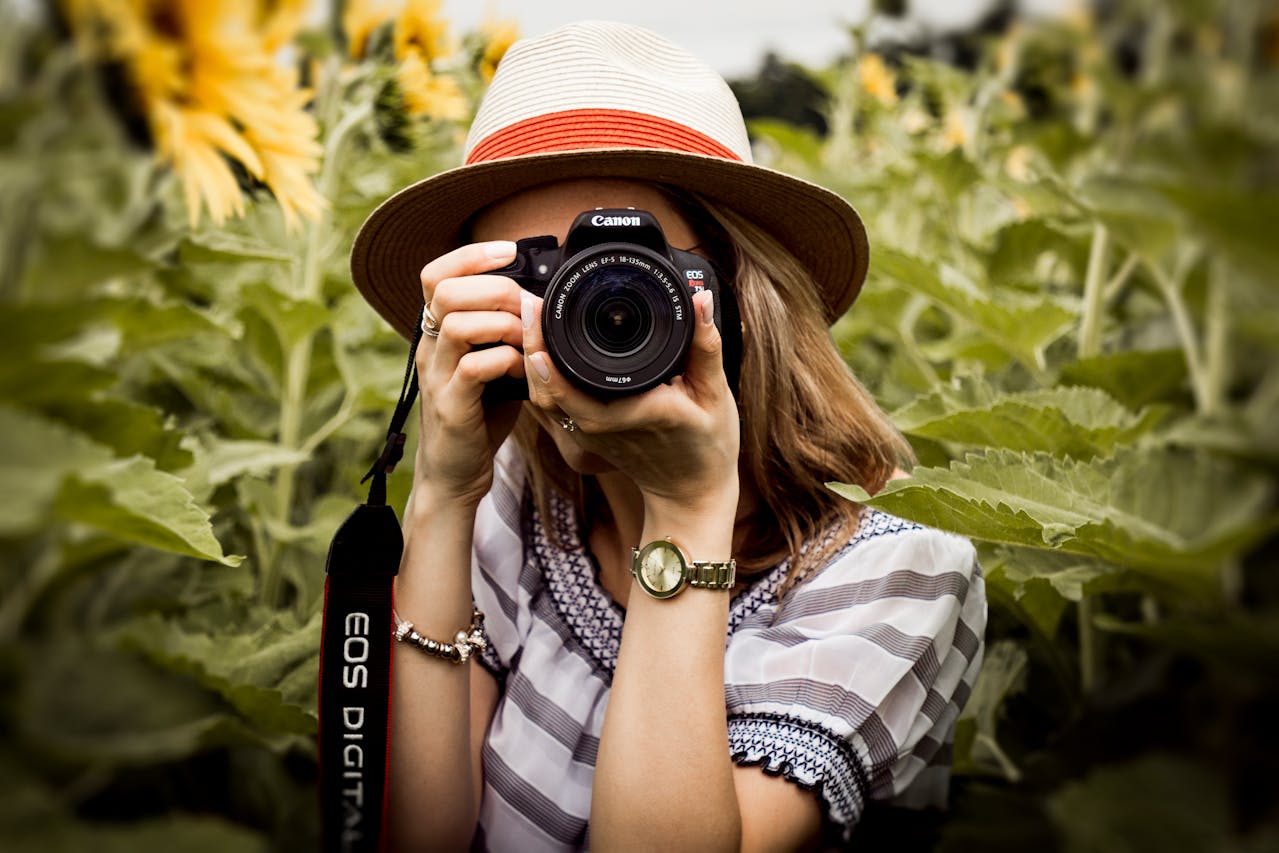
x,y
602,84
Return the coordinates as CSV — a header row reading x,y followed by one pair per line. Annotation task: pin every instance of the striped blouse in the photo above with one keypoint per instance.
x,y
850,686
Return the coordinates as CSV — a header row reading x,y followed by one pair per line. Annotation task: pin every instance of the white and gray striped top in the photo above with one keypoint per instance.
x,y
850,686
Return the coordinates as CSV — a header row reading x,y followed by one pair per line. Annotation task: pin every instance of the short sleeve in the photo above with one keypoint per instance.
x,y
498,585
851,685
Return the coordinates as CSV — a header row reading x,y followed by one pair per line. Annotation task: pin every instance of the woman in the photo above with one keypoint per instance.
x,y
762,713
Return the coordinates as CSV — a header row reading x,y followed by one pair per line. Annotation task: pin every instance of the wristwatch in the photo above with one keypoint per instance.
x,y
663,569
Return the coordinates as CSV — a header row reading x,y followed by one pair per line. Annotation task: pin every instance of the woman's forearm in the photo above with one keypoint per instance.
x,y
663,779
433,795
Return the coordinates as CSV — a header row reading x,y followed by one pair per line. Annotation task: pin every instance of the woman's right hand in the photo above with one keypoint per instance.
x,y
459,436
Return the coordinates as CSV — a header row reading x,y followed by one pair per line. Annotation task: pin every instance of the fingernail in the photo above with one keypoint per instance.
x,y
708,309
539,365
526,310
500,249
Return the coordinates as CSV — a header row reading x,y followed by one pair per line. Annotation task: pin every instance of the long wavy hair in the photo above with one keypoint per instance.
x,y
806,420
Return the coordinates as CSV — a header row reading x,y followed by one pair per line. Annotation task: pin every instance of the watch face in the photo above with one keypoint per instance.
x,y
661,569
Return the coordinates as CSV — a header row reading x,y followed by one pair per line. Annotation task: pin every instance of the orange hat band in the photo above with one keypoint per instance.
x,y
576,130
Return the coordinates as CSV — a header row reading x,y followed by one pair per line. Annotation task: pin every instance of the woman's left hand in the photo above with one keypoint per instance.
x,y
677,442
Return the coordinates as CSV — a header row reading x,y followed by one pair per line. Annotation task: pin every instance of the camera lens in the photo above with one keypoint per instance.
x,y
616,322
617,319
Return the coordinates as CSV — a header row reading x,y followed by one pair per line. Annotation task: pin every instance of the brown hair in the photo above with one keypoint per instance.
x,y
806,420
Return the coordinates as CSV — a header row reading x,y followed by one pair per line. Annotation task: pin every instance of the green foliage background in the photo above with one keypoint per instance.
x,y
1071,313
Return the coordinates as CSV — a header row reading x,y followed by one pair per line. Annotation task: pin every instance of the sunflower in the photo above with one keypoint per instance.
x,y
498,37
876,79
208,81
419,38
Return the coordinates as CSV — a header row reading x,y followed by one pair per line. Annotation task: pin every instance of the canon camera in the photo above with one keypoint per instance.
x,y
617,316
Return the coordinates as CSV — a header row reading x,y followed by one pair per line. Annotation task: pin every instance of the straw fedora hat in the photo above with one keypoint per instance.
x,y
604,100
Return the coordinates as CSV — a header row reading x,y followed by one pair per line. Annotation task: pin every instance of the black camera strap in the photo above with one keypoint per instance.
x,y
355,652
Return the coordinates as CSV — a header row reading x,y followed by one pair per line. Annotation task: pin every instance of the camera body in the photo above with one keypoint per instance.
x,y
617,315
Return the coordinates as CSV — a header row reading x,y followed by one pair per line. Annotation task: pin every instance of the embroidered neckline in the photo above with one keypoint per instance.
x,y
593,616
591,613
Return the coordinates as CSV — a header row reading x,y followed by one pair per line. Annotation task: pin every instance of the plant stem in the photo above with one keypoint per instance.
x,y
1216,339
1170,289
1094,293
309,286
1119,279
1088,652
1090,346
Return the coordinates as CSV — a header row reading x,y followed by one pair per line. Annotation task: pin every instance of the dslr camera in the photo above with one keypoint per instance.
x,y
617,315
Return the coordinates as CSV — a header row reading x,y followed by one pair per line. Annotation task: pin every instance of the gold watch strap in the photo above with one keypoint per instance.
x,y
712,574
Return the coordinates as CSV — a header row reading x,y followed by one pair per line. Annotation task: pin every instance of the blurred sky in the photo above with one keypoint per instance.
x,y
732,35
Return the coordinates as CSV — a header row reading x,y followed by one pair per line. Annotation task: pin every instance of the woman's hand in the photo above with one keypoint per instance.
x,y
459,436
677,442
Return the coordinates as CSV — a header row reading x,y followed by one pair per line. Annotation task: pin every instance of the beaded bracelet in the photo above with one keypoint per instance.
x,y
459,651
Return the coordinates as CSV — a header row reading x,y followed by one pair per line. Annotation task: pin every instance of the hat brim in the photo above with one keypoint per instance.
x,y
425,220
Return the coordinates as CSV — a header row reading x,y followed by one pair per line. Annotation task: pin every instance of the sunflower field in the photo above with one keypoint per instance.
x,y
1072,313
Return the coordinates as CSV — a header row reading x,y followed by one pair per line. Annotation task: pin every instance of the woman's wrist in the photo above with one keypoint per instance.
x,y
703,523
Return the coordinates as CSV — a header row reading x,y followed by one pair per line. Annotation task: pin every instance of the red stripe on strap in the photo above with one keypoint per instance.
x,y
573,130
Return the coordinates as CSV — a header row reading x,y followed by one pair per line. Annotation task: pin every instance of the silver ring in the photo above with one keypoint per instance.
x,y
568,424
430,324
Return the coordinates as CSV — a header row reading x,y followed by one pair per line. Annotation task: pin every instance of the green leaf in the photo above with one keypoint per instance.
x,y
1155,804
1173,514
85,702
246,669
1019,246
144,323
130,499
1136,213
221,460
1080,422
1024,325
791,141
65,266
225,247
1238,224
1069,576
36,454
292,319
126,427
1134,378
1003,674
36,383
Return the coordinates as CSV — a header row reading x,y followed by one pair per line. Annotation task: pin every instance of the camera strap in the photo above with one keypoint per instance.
x,y
355,653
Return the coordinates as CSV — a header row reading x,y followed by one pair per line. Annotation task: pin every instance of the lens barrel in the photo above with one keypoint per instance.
x,y
618,319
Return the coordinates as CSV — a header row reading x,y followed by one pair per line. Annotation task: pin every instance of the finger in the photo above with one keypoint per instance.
x,y
471,259
476,293
704,370
548,387
463,331
459,401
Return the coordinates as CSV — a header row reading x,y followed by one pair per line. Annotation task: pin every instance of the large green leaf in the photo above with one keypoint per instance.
x,y
81,701
1236,223
36,454
1024,325
225,247
246,669
1173,514
220,460
1080,422
1135,378
132,500
293,319
1019,246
